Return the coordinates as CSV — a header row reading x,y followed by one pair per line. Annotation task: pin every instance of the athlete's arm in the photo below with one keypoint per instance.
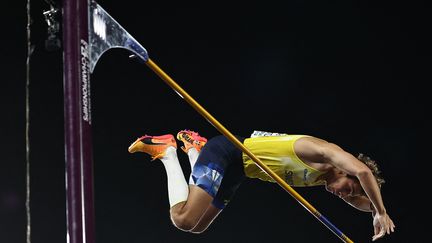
x,y
361,203
349,164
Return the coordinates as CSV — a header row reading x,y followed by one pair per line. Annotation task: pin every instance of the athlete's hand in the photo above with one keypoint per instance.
x,y
382,225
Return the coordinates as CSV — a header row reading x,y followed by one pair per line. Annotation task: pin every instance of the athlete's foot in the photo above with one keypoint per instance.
x,y
155,146
190,140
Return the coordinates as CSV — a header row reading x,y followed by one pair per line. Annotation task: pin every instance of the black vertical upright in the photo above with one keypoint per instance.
x,y
77,114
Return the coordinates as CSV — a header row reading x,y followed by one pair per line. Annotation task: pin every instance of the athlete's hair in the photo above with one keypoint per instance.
x,y
373,167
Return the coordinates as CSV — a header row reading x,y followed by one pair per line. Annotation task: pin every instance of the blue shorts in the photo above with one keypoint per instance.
x,y
219,170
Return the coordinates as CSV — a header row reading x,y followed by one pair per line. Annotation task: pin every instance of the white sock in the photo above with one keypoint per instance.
x,y
193,156
178,189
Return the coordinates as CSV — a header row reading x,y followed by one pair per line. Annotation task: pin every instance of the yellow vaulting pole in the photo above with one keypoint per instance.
x,y
240,145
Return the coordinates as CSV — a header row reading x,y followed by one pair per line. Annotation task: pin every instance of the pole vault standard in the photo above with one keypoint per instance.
x,y
89,31
77,119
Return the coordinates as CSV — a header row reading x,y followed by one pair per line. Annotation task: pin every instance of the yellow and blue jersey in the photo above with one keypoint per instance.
x,y
277,152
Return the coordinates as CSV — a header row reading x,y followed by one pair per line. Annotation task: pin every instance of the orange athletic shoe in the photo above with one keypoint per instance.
x,y
153,145
190,140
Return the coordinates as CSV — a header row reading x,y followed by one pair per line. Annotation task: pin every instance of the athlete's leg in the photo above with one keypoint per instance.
x,y
186,215
209,216
192,144
231,181
187,203
193,156
177,187
211,212
193,208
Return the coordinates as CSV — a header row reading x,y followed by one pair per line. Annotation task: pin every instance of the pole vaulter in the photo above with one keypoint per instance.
x,y
89,31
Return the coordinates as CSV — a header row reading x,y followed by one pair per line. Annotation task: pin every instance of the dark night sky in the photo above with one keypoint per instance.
x,y
351,72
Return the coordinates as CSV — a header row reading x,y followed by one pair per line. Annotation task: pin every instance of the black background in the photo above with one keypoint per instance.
x,y
351,72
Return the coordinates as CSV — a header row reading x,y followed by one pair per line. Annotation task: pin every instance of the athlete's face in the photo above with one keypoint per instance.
x,y
345,186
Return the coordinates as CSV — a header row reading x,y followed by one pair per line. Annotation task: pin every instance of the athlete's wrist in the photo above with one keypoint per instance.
x,y
372,208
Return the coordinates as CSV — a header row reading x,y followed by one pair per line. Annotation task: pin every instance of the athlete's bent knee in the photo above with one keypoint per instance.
x,y
198,231
183,223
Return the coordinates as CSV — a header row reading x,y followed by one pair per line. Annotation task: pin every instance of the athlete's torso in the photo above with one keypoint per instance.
x,y
277,152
